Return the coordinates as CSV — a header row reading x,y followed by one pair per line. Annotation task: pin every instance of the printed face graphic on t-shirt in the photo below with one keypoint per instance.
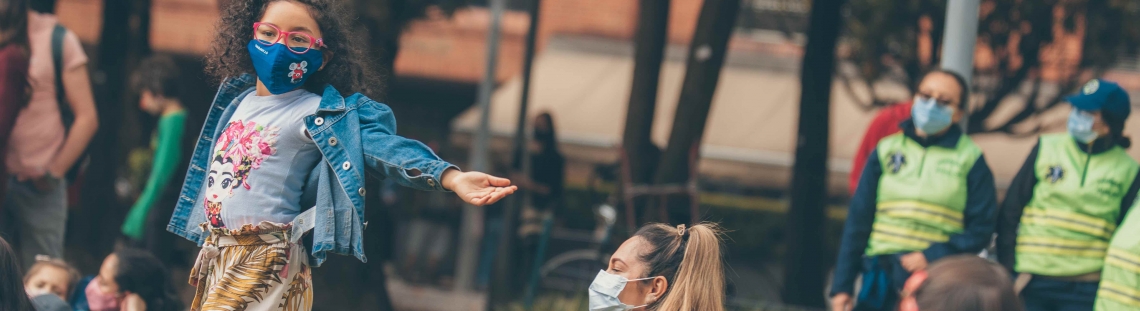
x,y
240,150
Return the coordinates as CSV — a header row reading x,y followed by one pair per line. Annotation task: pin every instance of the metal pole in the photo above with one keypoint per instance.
x,y
472,215
959,37
502,289
961,32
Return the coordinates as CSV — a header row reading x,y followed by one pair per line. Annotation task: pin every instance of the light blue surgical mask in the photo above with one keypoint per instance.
x,y
1081,126
604,292
929,116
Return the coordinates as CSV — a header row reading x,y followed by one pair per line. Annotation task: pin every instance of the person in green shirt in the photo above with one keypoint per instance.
x,y
156,80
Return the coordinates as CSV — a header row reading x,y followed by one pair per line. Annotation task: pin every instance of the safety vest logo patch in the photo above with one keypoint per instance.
x,y
897,161
1055,174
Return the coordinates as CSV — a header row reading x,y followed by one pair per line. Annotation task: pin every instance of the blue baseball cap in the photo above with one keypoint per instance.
x,y
1104,96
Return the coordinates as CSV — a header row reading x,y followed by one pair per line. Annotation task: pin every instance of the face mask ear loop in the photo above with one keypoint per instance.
x,y
642,279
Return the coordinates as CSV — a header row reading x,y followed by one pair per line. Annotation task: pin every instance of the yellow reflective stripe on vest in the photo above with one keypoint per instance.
x,y
910,237
1123,260
1058,246
1071,221
1119,293
915,209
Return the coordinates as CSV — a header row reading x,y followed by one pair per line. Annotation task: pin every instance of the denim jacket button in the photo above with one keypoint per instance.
x,y
332,141
346,165
431,182
361,191
319,121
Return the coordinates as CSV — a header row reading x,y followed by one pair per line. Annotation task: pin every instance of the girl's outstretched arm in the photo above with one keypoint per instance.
x,y
413,164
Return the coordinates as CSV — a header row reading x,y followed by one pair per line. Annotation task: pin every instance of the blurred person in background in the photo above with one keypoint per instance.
x,y
544,185
885,123
12,294
1120,280
14,87
960,283
132,280
664,268
1064,204
156,79
46,143
925,194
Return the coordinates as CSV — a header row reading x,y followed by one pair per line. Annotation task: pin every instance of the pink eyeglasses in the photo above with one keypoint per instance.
x,y
297,42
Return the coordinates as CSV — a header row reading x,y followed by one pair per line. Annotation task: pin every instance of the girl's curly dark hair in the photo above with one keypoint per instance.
x,y
348,71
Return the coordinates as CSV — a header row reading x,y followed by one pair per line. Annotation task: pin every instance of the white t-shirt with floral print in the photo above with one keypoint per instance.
x,y
261,161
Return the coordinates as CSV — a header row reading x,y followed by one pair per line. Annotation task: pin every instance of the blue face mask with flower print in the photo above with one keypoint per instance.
x,y
280,69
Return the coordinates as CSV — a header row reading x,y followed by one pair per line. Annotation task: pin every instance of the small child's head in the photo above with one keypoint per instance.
x,y
131,271
960,283
291,44
50,276
156,80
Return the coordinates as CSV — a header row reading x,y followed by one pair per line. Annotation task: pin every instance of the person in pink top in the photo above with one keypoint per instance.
x,y
40,150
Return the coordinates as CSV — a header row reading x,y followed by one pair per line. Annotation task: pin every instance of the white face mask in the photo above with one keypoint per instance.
x,y
604,292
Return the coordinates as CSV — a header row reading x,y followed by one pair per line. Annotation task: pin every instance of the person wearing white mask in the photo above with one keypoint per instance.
x,y
925,194
1066,202
663,268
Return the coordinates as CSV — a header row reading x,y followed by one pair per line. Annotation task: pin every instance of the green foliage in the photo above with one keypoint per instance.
x,y
883,46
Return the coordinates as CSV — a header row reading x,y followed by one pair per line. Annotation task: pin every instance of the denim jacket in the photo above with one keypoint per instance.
x,y
335,188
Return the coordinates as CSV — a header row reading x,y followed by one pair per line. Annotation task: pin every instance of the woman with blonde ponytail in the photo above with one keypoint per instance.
x,y
663,268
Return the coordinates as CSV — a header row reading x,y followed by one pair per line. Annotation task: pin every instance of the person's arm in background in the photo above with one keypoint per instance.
x,y
77,84
857,228
978,219
1016,198
13,96
167,154
1129,199
885,123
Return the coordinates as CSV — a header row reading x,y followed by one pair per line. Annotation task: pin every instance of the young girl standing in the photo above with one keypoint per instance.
x,y
283,154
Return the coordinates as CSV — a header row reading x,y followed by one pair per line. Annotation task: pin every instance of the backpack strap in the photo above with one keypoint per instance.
x,y
65,113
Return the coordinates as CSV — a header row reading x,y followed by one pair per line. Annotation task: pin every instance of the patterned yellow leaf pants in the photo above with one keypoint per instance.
x,y
252,268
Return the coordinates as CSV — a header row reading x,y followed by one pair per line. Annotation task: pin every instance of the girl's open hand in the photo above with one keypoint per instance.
x,y
477,188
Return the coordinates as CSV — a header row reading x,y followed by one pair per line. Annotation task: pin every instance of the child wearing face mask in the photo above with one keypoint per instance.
x,y
924,194
663,268
132,280
284,154
50,276
1066,202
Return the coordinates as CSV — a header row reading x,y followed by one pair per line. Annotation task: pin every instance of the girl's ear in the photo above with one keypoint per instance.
x,y
326,57
657,289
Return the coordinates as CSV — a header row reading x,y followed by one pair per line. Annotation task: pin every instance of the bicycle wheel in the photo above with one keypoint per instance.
x,y
567,277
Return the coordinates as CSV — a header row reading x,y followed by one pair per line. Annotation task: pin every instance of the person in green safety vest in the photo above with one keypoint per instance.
x,y
1120,279
924,194
1067,200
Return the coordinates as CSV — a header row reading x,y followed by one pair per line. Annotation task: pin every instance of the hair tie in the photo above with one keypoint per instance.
x,y
681,230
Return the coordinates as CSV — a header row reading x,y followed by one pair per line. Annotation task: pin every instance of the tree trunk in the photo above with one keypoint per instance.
x,y
125,24
706,57
649,52
804,263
